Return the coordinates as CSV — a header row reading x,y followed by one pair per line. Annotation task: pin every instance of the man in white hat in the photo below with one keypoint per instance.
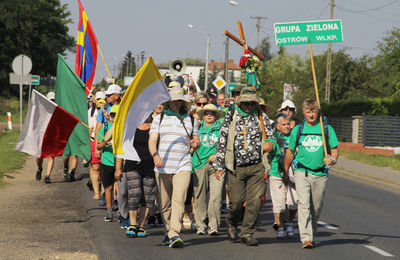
x,y
204,180
244,148
172,134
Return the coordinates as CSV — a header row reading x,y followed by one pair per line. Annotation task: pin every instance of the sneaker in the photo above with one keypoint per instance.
x,y
102,201
176,242
187,223
140,232
39,174
165,242
308,244
275,226
232,232
201,231
213,232
249,240
151,221
125,223
71,176
131,231
47,180
65,177
280,233
289,230
109,217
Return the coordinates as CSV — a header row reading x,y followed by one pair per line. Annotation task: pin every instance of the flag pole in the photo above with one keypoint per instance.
x,y
102,57
317,97
89,129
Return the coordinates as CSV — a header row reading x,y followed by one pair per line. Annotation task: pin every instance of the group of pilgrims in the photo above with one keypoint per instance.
x,y
202,155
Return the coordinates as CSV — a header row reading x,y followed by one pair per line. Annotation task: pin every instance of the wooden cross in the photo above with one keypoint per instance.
x,y
244,133
242,41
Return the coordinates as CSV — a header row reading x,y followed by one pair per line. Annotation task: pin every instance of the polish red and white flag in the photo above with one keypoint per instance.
x,y
47,128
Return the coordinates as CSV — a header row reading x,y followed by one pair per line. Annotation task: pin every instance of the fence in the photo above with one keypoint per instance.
x,y
368,130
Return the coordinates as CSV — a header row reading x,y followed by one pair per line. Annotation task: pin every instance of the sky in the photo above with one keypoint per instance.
x,y
160,27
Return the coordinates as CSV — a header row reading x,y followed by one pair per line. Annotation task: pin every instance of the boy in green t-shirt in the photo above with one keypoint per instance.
x,y
311,167
282,194
107,163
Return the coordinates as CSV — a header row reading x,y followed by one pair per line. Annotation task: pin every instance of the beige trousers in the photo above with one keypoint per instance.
x,y
282,195
310,193
172,189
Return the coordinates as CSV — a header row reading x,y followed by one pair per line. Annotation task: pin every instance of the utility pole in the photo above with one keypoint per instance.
x,y
142,57
207,60
226,64
328,63
258,29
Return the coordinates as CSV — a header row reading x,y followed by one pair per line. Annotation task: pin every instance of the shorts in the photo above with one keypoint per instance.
x,y
142,189
107,175
94,158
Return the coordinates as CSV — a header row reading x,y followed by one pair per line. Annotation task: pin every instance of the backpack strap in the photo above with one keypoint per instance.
x,y
326,132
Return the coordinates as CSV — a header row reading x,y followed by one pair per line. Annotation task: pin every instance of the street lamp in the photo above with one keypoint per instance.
x,y
191,26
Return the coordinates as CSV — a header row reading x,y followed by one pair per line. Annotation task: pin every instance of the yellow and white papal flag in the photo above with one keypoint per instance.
x,y
144,94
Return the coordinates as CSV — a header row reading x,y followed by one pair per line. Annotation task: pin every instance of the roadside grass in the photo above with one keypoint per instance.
x,y
12,105
10,159
372,159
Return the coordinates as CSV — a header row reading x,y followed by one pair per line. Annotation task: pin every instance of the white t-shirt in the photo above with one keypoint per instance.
x,y
174,145
92,120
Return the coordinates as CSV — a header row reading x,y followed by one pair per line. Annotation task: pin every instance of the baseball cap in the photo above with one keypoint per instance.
x,y
100,94
51,95
114,88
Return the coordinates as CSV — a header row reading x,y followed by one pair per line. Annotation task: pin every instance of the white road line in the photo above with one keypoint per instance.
x,y
326,225
379,251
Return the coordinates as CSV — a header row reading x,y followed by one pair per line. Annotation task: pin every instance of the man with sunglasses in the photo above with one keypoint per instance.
x,y
244,151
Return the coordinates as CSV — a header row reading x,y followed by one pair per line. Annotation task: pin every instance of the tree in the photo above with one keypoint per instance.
x,y
128,66
201,79
265,49
34,28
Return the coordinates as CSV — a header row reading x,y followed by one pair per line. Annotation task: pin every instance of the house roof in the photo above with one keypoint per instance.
x,y
221,65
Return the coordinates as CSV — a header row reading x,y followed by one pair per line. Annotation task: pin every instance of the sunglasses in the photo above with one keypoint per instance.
x,y
209,113
288,109
201,104
248,103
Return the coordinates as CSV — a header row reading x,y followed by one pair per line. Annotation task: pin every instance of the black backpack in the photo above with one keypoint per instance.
x,y
326,131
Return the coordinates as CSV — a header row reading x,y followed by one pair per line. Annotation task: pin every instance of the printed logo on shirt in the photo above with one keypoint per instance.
x,y
312,143
209,140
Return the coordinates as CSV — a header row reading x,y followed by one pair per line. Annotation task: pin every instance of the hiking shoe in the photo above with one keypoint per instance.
x,y
165,242
249,240
232,232
71,176
47,180
289,229
275,226
65,177
131,231
109,217
125,223
308,244
39,174
280,233
176,242
102,201
201,231
213,232
140,232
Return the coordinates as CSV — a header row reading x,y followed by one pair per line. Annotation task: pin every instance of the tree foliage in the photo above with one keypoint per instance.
x,y
36,28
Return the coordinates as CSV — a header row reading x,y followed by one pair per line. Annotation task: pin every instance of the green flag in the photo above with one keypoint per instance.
x,y
71,96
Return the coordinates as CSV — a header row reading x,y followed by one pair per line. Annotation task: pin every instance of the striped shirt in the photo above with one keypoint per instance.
x,y
174,145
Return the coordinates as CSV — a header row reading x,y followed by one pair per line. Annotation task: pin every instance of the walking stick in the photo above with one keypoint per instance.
x,y
180,119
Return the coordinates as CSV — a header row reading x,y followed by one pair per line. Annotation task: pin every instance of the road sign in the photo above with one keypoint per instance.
x,y
22,64
219,83
188,80
35,80
308,32
16,79
231,86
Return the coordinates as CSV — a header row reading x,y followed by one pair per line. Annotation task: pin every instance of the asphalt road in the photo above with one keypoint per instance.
x,y
358,221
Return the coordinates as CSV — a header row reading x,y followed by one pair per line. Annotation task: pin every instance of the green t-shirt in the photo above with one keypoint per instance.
x,y
107,156
208,143
310,149
276,155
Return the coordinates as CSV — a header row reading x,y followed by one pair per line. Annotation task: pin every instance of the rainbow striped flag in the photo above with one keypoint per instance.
x,y
86,50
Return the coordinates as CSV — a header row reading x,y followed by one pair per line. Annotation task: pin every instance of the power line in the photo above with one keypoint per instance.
x,y
323,10
369,15
383,11
369,10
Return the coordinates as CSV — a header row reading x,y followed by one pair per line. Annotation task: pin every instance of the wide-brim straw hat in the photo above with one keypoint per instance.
x,y
210,107
248,94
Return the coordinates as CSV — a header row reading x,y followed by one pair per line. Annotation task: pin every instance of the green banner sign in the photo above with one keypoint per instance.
x,y
35,79
308,32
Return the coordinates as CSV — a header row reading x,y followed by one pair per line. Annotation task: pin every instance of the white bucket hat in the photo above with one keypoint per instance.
x,y
287,103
